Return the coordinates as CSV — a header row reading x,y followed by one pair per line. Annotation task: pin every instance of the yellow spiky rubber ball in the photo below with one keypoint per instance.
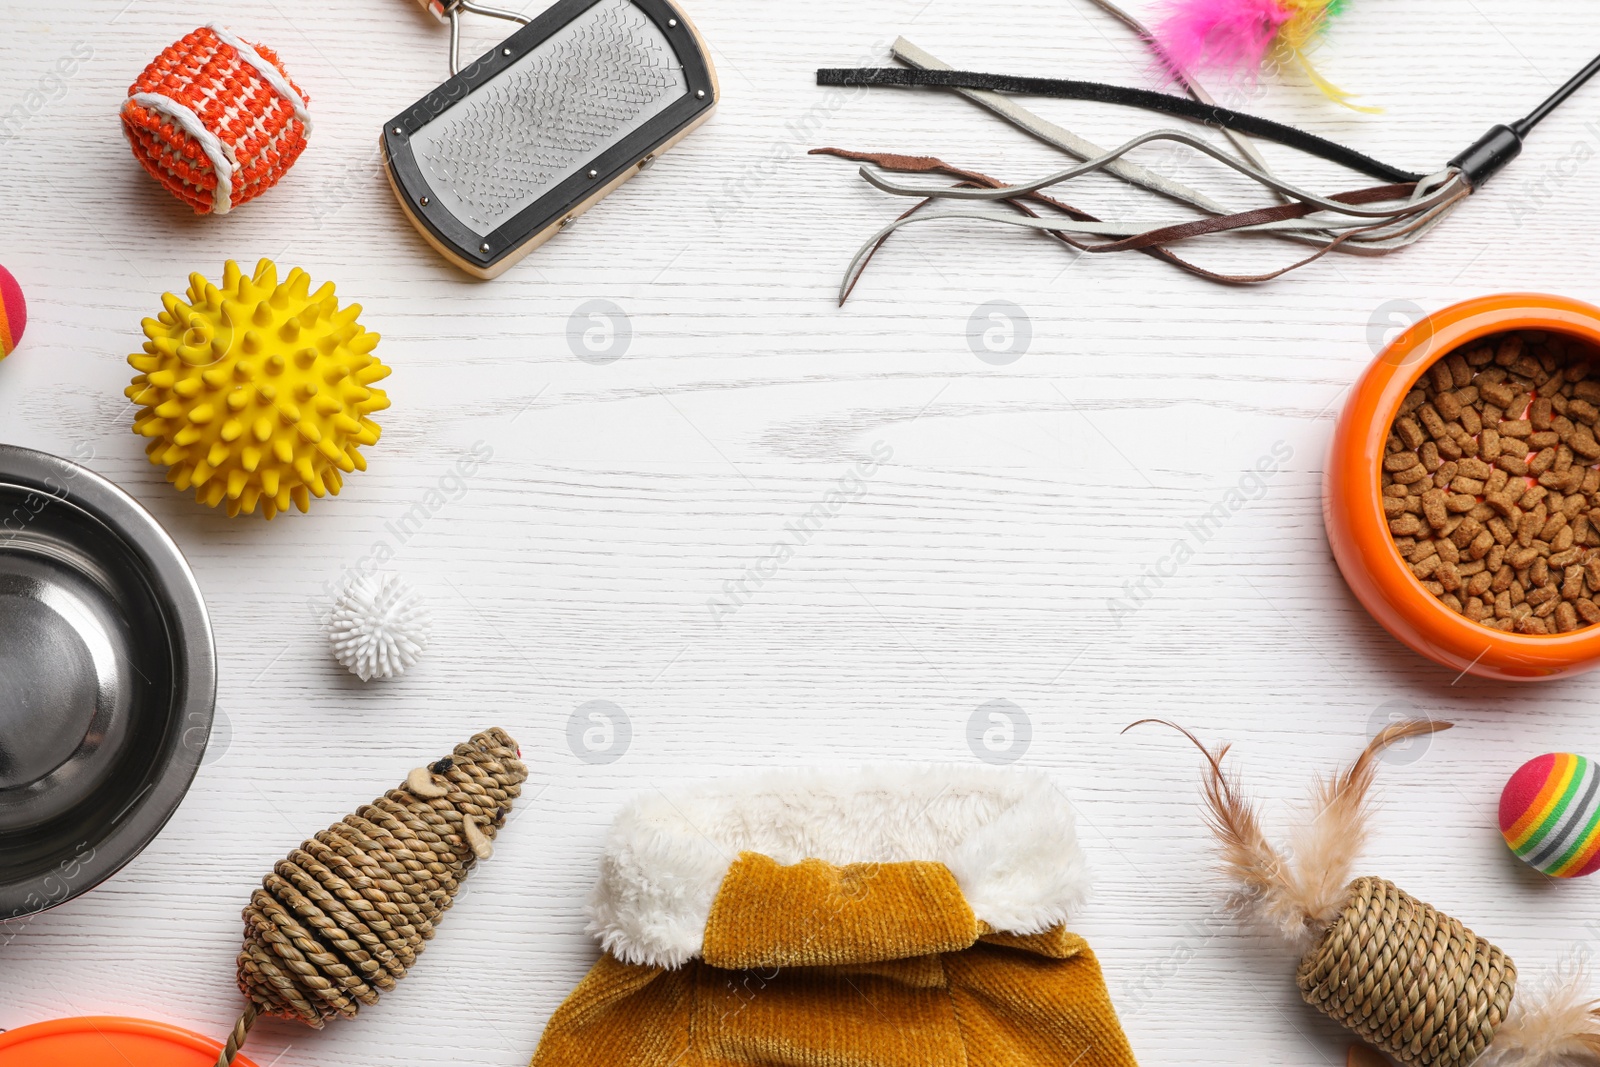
x,y
256,392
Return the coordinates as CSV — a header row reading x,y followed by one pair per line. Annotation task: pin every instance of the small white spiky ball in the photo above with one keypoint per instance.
x,y
378,626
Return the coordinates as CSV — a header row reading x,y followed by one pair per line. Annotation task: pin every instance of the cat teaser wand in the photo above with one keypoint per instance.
x,y
1375,220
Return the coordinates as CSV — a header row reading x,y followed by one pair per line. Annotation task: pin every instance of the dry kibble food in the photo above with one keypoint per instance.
x,y
1490,484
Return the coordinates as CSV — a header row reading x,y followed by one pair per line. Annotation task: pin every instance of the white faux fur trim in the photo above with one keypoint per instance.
x,y
1007,835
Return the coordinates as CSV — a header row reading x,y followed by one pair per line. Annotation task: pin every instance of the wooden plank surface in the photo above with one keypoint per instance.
x,y
991,511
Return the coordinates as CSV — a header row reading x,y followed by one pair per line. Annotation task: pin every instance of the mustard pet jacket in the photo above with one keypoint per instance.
x,y
894,917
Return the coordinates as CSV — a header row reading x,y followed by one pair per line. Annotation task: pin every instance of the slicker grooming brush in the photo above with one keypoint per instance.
x,y
533,133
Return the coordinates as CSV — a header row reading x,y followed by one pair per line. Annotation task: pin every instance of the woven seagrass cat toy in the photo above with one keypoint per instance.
x,y
1403,976
344,916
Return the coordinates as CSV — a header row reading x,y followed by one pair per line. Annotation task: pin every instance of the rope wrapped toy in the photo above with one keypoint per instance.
x,y
342,917
1400,974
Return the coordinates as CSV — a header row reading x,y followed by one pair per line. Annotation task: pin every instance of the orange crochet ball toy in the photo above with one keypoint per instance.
x,y
216,120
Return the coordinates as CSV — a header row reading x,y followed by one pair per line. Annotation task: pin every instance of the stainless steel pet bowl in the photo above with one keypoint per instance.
x,y
107,680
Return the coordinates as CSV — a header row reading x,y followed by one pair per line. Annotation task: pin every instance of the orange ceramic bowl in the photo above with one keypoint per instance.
x,y
1353,509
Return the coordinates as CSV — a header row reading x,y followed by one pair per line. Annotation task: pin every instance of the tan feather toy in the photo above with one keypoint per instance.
x,y
1403,976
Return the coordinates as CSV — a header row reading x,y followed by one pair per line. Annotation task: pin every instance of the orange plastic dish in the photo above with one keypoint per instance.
x,y
1353,510
106,1041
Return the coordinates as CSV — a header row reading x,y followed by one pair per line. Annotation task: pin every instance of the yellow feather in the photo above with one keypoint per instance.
x,y
1295,39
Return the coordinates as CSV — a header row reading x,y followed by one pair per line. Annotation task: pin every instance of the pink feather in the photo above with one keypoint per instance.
x,y
1233,35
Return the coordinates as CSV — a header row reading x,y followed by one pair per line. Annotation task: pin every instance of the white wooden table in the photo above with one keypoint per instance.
x,y
975,564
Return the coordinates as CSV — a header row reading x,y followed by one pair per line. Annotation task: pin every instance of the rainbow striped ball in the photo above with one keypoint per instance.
x,y
13,313
1550,814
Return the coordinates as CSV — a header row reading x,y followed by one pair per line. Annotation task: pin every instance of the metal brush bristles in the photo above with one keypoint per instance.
x,y
550,115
